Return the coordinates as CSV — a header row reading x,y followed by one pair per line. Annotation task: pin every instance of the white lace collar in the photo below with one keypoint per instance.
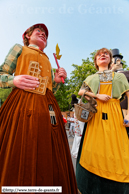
x,y
105,75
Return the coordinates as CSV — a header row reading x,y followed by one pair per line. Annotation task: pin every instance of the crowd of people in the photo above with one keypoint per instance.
x,y
34,148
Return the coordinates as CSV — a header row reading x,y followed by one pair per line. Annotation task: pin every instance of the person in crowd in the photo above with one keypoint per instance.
x,y
78,126
103,157
34,149
72,124
68,121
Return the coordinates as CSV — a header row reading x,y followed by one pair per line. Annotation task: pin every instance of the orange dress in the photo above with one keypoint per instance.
x,y
105,150
33,150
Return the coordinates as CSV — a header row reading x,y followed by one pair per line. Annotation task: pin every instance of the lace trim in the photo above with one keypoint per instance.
x,y
105,76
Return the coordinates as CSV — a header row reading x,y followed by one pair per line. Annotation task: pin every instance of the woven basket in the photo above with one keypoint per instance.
x,y
85,111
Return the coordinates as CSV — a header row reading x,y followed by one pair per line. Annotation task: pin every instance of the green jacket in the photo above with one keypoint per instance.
x,y
119,84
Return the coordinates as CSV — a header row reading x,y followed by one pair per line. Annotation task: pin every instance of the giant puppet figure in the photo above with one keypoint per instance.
x,y
33,141
103,157
117,66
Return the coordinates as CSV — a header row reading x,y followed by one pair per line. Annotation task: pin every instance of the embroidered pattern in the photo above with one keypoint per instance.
x,y
35,71
105,76
52,115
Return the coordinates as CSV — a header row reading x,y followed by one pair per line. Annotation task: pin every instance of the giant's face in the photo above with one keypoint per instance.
x,y
116,64
38,37
103,59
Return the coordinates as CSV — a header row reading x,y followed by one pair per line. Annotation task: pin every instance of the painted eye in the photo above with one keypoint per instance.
x,y
38,30
106,53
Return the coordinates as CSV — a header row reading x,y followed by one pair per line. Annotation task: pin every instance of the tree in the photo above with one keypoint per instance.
x,y
125,67
61,96
79,74
72,86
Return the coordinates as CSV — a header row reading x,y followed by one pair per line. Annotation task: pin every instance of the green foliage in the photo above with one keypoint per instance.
x,y
4,94
79,74
125,67
61,96
73,85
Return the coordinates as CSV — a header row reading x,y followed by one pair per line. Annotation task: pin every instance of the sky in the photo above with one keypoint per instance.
x,y
78,26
